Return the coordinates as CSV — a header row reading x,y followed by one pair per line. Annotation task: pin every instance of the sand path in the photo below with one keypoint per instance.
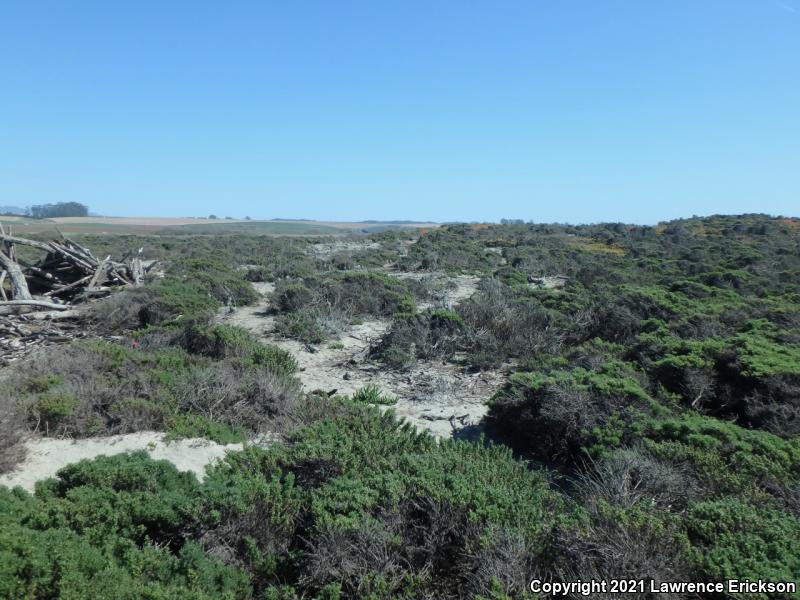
x,y
435,396
45,456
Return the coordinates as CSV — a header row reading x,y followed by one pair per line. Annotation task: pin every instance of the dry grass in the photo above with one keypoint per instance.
x,y
590,245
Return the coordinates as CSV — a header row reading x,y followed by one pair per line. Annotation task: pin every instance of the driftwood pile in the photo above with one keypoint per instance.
x,y
66,273
20,334
37,296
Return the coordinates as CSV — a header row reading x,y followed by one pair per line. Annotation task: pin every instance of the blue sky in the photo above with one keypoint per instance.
x,y
558,110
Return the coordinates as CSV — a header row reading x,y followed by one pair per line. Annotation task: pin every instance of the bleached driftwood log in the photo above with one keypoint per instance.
x,y
19,285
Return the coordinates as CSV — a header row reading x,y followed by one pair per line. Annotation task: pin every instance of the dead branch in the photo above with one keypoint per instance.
x,y
38,303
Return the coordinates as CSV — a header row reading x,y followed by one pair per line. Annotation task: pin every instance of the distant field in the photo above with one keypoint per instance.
x,y
14,221
188,226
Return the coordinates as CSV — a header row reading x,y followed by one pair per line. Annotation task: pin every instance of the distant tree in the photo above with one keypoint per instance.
x,y
61,209
212,216
229,218
13,211
247,218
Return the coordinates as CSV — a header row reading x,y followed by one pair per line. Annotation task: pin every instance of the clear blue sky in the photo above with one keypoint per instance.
x,y
558,110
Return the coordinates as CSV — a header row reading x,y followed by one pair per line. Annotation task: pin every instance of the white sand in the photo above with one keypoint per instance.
x,y
45,456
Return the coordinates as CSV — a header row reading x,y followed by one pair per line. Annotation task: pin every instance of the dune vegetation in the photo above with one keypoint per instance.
x,y
647,426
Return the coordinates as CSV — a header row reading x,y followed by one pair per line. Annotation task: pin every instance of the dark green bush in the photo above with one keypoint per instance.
x,y
364,485
109,528
226,341
735,540
564,413
429,335
222,281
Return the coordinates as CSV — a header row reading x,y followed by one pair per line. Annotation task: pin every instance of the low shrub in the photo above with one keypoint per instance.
x,y
200,426
371,394
613,542
227,385
727,458
301,326
225,284
162,302
370,506
114,527
435,334
226,341
562,414
735,540
322,307
50,409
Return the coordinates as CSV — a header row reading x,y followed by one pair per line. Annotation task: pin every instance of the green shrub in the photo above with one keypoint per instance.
x,y
221,280
729,458
192,426
563,414
226,341
42,383
173,298
108,528
371,394
301,326
428,335
291,297
50,409
364,483
735,540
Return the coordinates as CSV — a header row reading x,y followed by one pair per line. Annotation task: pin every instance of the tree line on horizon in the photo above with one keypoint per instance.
x,y
49,211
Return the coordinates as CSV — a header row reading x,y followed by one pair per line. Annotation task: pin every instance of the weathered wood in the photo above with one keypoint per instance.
x,y
72,256
37,303
39,272
137,271
49,315
119,276
101,267
25,242
68,287
83,249
69,271
19,285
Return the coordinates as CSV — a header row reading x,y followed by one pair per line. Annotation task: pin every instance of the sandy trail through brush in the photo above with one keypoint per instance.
x,y
435,396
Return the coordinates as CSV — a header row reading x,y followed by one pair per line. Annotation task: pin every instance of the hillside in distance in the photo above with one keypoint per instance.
x,y
198,226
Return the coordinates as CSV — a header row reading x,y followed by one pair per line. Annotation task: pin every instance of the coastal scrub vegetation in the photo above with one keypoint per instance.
x,y
648,426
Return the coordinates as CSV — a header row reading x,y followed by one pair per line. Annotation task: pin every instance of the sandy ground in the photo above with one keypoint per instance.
x,y
45,456
435,396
